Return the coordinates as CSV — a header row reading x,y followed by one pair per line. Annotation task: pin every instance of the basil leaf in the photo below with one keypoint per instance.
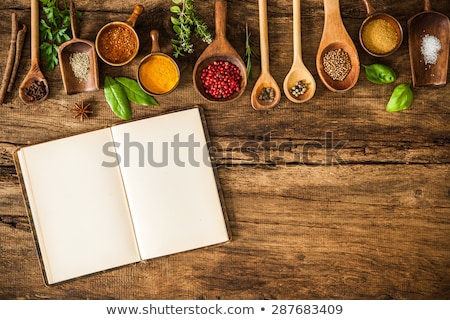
x,y
117,99
135,93
379,73
401,98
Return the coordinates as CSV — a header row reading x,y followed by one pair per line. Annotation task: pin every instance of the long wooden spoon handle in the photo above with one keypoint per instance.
x,y
34,31
263,35
297,30
220,13
427,5
369,8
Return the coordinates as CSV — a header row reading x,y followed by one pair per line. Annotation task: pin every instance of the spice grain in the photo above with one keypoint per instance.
x,y
79,61
117,44
430,48
336,63
158,74
221,79
379,36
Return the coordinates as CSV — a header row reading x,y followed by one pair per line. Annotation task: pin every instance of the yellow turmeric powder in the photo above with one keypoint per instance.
x,y
158,74
379,36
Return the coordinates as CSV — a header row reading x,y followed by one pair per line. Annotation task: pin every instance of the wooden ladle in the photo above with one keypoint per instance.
x,y
265,79
434,24
298,71
335,37
219,50
72,84
34,87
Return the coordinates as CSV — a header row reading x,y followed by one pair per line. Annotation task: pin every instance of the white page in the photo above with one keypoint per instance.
x,y
79,206
174,208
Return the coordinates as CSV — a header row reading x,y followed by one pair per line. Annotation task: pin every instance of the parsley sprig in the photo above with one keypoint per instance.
x,y
54,30
184,23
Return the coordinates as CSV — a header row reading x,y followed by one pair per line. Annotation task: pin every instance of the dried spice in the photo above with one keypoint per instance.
x,y
117,44
379,36
81,110
158,74
221,79
300,88
267,94
430,48
36,91
79,61
336,63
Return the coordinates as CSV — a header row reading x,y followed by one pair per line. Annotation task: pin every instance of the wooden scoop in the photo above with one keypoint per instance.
x,y
219,50
34,87
265,79
435,24
335,37
67,50
298,71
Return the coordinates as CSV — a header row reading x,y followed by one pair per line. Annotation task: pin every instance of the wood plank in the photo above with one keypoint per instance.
x,y
325,232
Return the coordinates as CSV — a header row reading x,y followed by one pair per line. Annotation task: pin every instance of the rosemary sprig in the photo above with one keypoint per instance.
x,y
248,52
184,23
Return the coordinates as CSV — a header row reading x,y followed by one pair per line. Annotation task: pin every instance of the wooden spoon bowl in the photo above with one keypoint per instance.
x,y
71,83
335,37
34,78
219,50
434,24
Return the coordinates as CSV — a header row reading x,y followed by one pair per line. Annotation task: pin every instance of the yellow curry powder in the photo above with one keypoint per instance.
x,y
158,74
379,36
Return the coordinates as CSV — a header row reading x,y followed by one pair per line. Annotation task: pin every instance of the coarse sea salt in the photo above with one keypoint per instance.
x,y
430,48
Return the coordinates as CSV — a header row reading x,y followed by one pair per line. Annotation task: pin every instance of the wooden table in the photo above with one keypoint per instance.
x,y
332,199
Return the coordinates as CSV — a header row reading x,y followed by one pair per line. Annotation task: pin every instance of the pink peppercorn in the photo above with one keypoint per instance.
x,y
221,79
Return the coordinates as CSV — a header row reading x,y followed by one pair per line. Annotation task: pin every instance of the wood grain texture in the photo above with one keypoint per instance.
x,y
331,199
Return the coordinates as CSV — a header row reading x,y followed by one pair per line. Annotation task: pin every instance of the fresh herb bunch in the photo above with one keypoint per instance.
x,y
249,52
184,23
54,30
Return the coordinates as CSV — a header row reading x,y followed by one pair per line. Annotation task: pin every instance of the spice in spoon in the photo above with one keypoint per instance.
x,y
299,89
36,91
267,94
79,61
336,63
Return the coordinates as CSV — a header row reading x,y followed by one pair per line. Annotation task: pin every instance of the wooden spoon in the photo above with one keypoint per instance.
x,y
335,37
434,24
34,80
71,83
298,70
219,50
265,79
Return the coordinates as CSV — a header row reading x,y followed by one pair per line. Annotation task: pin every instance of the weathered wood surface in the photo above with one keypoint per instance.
x,y
335,198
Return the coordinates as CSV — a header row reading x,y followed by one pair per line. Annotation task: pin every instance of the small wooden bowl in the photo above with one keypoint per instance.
x,y
128,26
389,19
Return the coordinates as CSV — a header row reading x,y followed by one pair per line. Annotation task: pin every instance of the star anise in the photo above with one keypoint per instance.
x,y
81,110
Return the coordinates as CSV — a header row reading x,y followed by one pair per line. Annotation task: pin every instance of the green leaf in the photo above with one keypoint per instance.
x,y
379,73
175,20
401,98
134,92
117,99
175,9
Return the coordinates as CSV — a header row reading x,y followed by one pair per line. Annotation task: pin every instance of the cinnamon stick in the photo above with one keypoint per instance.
x,y
19,46
11,55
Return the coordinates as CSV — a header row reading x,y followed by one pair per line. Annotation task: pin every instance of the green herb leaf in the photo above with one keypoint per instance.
x,y
134,92
117,98
54,30
401,98
379,73
186,22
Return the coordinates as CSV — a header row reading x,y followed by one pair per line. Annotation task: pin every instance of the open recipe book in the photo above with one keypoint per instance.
x,y
122,194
